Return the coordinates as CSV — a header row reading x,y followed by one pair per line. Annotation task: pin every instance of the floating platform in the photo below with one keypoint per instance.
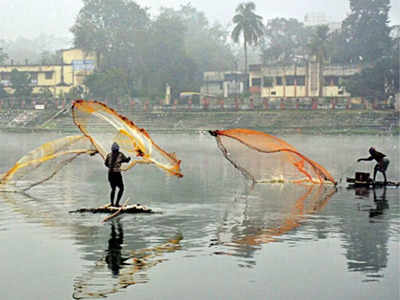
x,y
354,183
108,209
363,180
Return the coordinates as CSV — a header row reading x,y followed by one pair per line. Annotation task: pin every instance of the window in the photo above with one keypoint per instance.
x,y
331,80
290,80
278,80
268,81
231,77
5,78
48,75
34,76
300,80
295,80
255,68
256,82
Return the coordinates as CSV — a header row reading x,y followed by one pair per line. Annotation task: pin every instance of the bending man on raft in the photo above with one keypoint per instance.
x,y
382,162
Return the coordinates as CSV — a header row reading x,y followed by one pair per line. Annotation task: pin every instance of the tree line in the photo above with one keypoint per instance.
x,y
137,55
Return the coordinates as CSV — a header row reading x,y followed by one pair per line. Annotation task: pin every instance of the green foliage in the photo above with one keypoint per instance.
x,y
77,92
318,42
376,82
3,92
111,29
3,56
109,84
174,48
366,30
179,48
45,93
338,48
247,24
368,42
21,83
284,40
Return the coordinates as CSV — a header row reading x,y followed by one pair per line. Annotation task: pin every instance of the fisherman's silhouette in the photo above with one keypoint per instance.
x,y
114,257
381,204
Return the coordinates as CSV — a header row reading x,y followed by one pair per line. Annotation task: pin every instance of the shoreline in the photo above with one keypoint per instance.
x,y
373,122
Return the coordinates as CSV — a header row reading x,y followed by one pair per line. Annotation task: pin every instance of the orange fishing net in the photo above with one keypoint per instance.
x,y
262,157
104,126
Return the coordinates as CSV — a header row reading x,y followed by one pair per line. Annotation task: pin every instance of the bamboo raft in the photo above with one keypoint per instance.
x,y
362,179
108,209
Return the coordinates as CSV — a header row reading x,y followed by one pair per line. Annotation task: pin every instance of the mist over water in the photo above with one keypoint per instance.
x,y
216,236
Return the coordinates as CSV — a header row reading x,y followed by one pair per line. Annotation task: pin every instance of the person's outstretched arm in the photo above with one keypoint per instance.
x,y
366,159
124,158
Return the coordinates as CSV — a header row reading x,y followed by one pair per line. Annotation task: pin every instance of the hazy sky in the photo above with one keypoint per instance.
x,y
30,18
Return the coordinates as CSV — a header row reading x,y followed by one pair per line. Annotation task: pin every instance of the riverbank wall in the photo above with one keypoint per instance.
x,y
284,121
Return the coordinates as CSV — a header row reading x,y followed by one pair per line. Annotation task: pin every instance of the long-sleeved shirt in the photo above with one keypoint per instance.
x,y
115,166
378,156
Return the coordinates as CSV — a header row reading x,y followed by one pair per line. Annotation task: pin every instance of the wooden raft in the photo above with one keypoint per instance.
x,y
362,179
353,183
108,209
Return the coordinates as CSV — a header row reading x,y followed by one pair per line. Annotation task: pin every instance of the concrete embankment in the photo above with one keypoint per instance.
x,y
305,121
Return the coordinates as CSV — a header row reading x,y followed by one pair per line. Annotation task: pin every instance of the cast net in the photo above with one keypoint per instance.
x,y
104,126
44,162
262,157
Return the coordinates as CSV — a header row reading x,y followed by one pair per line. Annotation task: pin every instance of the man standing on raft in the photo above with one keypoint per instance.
x,y
382,162
113,161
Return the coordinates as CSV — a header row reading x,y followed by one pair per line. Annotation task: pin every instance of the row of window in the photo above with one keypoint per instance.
x,y
32,75
291,80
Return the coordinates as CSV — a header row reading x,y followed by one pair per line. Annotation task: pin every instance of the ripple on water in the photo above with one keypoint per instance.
x,y
4,217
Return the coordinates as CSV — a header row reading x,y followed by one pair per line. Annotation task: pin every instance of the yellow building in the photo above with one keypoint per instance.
x,y
60,78
300,81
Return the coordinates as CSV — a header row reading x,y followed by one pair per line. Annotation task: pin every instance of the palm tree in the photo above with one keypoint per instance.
x,y
248,23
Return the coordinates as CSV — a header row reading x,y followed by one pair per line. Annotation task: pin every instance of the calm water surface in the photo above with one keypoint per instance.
x,y
215,238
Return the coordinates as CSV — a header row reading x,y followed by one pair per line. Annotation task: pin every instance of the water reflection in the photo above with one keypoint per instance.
x,y
114,257
128,267
366,236
265,213
381,204
118,266
107,258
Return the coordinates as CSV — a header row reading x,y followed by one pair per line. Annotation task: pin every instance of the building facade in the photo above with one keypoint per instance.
x,y
223,84
307,80
58,78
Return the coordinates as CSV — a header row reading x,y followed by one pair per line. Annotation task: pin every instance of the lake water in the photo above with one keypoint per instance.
x,y
228,240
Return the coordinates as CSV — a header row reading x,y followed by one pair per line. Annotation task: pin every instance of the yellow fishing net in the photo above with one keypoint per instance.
x,y
44,162
104,126
262,157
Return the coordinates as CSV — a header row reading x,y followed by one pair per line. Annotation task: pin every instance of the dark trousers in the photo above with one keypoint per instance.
x,y
115,179
381,166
